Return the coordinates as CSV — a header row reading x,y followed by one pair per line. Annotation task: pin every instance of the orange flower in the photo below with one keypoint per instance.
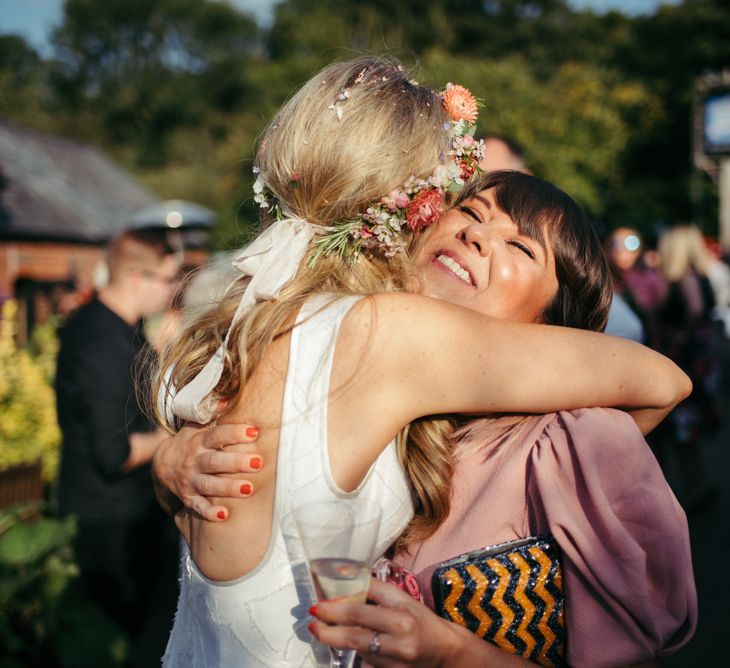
x,y
460,104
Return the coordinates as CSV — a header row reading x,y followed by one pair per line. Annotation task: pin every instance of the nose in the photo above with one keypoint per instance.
x,y
477,237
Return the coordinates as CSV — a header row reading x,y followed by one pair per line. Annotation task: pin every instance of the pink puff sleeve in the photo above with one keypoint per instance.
x,y
595,485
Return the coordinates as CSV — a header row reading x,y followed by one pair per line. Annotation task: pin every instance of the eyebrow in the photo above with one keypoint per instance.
x,y
483,200
539,240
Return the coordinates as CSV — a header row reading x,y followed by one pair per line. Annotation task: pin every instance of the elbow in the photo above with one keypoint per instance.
x,y
678,389
686,387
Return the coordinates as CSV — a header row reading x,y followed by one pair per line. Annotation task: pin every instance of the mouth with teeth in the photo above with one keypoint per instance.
x,y
455,268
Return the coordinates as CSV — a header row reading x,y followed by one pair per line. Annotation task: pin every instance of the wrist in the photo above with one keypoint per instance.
x,y
453,645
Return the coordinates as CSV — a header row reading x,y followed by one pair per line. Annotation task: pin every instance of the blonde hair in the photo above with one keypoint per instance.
x,y
680,249
390,128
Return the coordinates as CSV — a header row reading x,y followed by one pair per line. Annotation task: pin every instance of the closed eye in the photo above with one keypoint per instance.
x,y
524,248
470,212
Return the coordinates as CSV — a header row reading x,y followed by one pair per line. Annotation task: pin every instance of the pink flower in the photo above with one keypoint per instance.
x,y
467,141
425,209
460,104
402,200
365,233
296,176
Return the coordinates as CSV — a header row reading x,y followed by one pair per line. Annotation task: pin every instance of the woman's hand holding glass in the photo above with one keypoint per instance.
x,y
339,538
399,631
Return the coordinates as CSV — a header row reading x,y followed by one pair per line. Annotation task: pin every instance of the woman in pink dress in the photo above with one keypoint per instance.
x,y
587,479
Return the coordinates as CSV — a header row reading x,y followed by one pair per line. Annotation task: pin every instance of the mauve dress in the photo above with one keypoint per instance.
x,y
588,478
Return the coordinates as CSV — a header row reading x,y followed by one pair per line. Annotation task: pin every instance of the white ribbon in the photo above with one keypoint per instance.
x,y
271,260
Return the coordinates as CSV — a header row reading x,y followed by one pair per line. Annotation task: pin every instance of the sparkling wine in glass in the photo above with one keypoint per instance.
x,y
339,537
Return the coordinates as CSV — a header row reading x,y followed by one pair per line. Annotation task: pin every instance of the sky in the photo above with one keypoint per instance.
x,y
34,19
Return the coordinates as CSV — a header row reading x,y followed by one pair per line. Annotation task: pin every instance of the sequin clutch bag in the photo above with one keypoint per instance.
x,y
510,594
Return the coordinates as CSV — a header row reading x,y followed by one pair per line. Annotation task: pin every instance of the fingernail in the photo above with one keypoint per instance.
x,y
221,515
313,611
311,627
252,432
256,463
246,489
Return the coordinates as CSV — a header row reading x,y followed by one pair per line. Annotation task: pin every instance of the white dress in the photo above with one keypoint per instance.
x,y
260,619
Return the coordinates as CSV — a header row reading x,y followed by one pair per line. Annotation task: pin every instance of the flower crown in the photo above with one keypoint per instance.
x,y
416,205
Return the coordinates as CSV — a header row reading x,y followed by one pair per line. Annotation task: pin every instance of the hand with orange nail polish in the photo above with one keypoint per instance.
x,y
187,467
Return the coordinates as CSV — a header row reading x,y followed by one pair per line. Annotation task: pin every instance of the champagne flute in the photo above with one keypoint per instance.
x,y
339,537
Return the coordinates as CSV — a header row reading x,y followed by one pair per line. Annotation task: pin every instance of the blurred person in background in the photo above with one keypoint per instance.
x,y
718,273
622,251
502,152
124,547
685,334
639,286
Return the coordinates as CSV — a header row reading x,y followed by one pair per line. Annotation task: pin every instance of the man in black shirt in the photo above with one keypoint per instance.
x,y
125,547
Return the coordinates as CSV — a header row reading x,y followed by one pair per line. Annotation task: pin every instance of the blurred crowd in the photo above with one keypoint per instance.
x,y
672,292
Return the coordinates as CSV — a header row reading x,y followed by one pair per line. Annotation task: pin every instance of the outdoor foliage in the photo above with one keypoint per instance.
x,y
28,427
179,90
45,620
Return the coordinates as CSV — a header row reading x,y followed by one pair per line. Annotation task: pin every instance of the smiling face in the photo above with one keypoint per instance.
x,y
477,257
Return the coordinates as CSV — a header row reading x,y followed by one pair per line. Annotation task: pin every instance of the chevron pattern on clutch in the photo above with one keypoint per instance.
x,y
509,594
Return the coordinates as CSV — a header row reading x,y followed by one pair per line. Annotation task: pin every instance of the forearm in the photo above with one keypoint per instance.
x,y
667,385
509,367
648,418
471,650
142,448
582,369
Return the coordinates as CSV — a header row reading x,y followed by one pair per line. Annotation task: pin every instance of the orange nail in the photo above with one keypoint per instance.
x,y
221,515
256,463
252,432
313,611
246,489
311,627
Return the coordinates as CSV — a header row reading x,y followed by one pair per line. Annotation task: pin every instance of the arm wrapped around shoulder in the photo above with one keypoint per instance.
x,y
596,486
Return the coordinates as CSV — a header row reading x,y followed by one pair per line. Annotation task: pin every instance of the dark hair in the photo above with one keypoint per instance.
x,y
539,209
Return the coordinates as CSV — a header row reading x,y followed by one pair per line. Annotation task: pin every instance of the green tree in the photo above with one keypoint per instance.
x,y
22,93
668,50
574,126
142,68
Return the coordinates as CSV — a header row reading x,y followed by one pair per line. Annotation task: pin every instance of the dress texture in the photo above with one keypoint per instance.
x,y
260,619
588,478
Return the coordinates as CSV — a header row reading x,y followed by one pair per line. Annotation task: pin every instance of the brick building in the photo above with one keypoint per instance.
x,y
60,203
